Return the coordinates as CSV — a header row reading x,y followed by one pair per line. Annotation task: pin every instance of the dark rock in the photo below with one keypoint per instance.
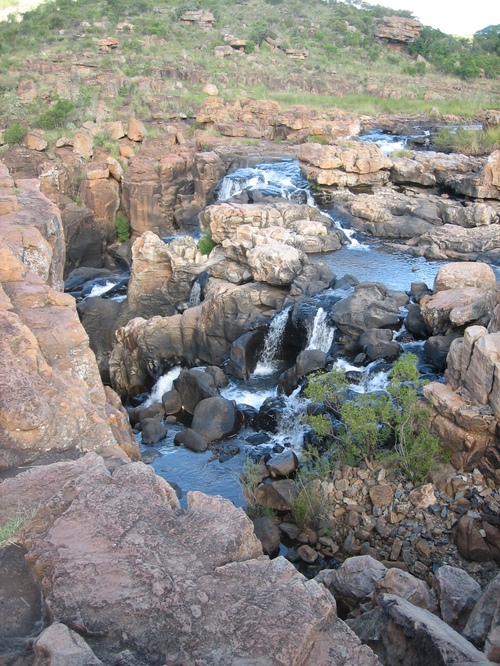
x,y
172,402
220,379
269,415
191,440
469,541
267,532
215,418
283,464
415,323
194,386
437,347
457,594
153,430
278,495
244,354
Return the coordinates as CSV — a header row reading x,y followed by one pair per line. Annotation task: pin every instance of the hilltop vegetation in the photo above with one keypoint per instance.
x,y
66,48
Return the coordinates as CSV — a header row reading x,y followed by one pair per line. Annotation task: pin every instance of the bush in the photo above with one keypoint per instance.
x,y
206,244
57,115
122,227
14,133
390,427
250,47
417,69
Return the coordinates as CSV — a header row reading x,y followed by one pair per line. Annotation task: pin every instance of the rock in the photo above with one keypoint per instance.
x,y
267,532
26,91
307,361
423,497
83,145
210,89
275,263
191,440
415,323
278,495
153,430
172,402
465,274
378,343
193,387
370,306
356,580
215,418
437,347
283,463
397,628
470,542
35,141
404,585
452,242
136,130
381,494
307,554
201,17
485,616
457,595
398,29
244,354
59,646
457,307
484,184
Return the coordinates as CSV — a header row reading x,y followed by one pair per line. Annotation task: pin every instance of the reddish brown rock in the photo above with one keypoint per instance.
x,y
459,275
83,145
136,130
398,29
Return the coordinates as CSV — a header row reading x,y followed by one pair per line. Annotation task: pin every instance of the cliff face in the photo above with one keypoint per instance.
x,y
52,401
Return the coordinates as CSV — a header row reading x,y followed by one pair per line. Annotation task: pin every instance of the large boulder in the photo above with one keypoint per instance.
x,y
215,418
482,625
194,386
465,274
398,30
454,308
371,305
139,576
356,581
400,632
457,594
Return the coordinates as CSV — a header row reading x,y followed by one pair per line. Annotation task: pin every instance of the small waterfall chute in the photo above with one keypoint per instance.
x,y
320,335
195,295
164,384
272,343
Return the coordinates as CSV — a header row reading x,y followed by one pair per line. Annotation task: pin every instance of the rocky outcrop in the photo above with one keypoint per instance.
x,y
351,165
203,332
398,30
52,401
104,580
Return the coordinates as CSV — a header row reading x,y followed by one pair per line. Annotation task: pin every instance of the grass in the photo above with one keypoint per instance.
x,y
7,530
469,142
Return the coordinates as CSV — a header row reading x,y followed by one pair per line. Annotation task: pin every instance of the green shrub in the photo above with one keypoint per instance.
x,y
416,69
391,427
14,133
122,227
57,115
249,47
206,244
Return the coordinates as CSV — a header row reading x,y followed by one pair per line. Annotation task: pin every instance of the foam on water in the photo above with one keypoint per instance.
x,y
164,384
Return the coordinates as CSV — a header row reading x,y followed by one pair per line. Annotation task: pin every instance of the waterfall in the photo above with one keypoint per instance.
x,y
195,295
320,335
290,427
272,343
163,385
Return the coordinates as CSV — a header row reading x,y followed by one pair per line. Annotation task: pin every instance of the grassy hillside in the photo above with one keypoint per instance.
x,y
161,63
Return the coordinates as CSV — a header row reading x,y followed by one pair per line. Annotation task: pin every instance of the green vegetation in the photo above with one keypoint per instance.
x,y
57,115
7,530
14,133
388,427
206,244
468,141
122,227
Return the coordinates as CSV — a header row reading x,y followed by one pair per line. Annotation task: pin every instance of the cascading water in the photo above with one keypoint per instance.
x,y
320,335
281,179
164,384
290,427
266,364
195,295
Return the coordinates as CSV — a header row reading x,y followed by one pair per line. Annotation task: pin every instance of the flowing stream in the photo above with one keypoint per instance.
x,y
364,258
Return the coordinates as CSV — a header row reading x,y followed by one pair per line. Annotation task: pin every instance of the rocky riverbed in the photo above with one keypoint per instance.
x,y
103,565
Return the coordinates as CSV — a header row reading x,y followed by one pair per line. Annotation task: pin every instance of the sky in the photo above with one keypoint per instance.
x,y
455,17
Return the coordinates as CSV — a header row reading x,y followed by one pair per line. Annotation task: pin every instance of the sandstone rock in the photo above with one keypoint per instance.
x,y
470,542
381,495
399,630
215,418
102,197
210,89
423,497
485,616
451,242
59,646
361,158
457,307
283,463
465,274
398,29
275,263
356,580
200,17
83,145
153,430
191,440
26,91
307,554
457,595
278,495
35,141
404,585
136,130
484,184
